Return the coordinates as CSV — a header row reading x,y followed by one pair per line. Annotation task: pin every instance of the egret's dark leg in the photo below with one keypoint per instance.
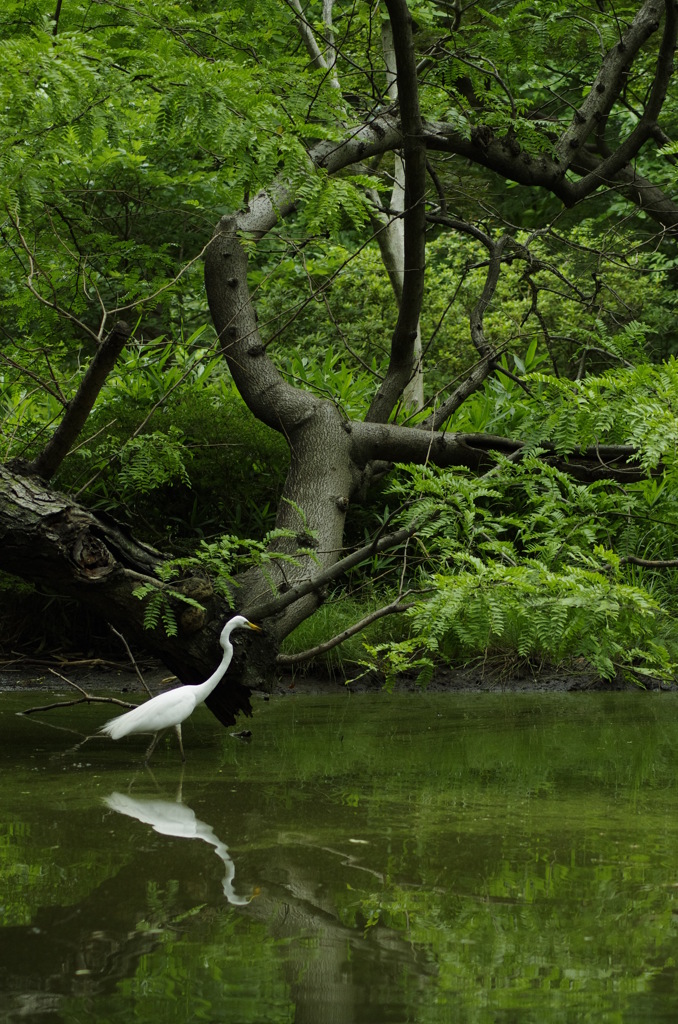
x,y
181,746
153,744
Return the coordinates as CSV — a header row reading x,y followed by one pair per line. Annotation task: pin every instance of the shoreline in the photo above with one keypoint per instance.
x,y
95,675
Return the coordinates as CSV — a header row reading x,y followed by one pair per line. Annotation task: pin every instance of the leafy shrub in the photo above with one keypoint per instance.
x,y
531,563
536,614
184,461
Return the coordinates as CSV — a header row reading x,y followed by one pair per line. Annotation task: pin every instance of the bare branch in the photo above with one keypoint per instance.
x,y
313,652
473,381
646,127
646,195
268,395
651,563
487,354
44,386
277,604
391,235
331,52
34,270
608,83
394,443
87,698
311,43
57,448
267,207
57,13
461,225
489,288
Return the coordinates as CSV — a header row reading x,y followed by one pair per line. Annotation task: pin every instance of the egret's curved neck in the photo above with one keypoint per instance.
x,y
204,689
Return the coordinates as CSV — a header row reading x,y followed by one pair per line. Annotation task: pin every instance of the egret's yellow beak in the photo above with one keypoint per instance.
x,y
252,626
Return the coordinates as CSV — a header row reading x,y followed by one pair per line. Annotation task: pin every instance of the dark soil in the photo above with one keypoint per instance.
x,y
96,676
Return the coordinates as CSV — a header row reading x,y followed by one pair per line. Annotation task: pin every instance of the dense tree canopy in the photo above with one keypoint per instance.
x,y
339,311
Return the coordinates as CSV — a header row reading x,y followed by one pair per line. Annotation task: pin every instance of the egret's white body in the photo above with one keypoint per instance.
x,y
174,707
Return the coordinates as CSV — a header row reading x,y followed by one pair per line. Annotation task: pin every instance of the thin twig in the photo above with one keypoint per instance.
x,y
132,659
69,681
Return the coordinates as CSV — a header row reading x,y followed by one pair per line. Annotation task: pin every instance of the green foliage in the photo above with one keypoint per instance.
x,y
538,615
159,610
124,134
532,565
151,461
128,130
343,306
227,556
637,407
329,377
172,447
330,203
222,560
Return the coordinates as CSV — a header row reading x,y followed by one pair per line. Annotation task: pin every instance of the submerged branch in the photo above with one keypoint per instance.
x,y
87,699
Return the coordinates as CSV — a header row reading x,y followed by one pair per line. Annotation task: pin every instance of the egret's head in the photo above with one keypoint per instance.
x,y
237,622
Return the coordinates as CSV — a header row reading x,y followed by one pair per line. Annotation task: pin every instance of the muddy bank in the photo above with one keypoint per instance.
x,y
99,676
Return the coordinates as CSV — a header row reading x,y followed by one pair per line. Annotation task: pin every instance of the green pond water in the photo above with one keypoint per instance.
x,y
414,858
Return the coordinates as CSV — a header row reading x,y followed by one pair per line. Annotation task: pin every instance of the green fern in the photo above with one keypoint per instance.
x,y
541,583
150,461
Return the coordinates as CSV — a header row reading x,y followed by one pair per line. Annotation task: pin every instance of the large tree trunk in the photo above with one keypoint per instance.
x,y
321,478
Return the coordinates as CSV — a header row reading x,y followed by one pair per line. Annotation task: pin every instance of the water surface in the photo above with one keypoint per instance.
x,y
413,858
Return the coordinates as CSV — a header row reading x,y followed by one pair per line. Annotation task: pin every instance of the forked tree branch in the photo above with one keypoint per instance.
x,y
86,698
320,60
644,130
608,83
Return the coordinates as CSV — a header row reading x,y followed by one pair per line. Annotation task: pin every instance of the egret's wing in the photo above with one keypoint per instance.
x,y
160,712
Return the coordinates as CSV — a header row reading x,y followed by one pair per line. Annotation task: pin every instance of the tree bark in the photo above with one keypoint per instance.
x,y
402,366
48,539
321,477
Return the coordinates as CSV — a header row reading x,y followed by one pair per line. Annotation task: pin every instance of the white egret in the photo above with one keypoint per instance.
x,y
172,708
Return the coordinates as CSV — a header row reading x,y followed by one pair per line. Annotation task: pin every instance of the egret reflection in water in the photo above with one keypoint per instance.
x,y
174,818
